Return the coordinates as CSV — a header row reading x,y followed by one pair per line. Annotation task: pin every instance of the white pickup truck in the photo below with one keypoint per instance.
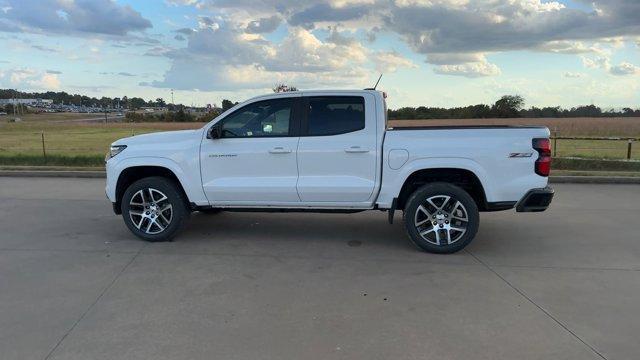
x,y
332,151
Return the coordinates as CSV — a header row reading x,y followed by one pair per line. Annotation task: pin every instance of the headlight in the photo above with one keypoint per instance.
x,y
115,150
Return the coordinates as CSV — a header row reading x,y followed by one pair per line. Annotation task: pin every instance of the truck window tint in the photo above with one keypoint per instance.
x,y
260,119
334,115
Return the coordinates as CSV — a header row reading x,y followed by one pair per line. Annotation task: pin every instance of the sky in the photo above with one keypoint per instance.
x,y
432,52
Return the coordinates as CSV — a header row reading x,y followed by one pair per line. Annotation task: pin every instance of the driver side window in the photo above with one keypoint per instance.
x,y
267,118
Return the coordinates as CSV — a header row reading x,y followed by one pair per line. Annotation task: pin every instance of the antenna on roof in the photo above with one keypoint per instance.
x,y
376,85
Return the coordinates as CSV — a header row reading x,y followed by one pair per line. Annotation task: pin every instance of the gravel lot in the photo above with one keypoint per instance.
x,y
75,284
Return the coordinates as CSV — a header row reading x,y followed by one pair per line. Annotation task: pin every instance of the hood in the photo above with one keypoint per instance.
x,y
160,137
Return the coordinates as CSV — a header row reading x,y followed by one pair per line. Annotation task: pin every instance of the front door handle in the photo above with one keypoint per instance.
x,y
280,150
356,149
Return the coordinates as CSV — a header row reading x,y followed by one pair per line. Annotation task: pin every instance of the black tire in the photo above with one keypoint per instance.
x,y
177,215
436,237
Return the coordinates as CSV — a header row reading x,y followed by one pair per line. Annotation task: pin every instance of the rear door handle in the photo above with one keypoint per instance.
x,y
280,150
356,149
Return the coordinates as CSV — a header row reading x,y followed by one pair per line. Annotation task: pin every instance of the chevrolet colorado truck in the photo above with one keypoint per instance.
x,y
323,151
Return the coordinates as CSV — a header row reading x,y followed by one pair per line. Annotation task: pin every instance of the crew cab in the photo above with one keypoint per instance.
x,y
330,151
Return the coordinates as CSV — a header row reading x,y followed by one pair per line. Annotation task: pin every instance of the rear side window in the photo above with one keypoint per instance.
x,y
333,115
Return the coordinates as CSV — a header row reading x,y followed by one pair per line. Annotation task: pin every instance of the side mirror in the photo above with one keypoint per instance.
x,y
215,132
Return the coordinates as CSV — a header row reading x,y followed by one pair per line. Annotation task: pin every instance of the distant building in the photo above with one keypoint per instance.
x,y
30,102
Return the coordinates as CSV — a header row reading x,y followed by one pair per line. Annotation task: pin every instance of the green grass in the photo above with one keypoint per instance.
x,y
596,149
72,139
52,160
594,165
82,144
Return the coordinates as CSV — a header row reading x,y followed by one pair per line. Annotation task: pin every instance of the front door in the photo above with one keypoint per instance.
x,y
254,160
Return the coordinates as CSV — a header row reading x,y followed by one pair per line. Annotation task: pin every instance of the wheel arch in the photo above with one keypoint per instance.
x,y
461,177
132,174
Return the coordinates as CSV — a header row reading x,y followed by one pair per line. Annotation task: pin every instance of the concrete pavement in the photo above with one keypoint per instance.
x,y
75,284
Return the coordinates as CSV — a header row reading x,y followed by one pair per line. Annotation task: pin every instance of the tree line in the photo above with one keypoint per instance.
x,y
62,97
508,106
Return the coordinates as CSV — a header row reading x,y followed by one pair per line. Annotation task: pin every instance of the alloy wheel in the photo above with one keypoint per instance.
x,y
150,211
441,220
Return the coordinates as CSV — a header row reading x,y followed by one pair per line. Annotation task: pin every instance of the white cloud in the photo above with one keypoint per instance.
x,y
455,58
600,62
471,70
27,78
225,57
573,75
569,47
390,61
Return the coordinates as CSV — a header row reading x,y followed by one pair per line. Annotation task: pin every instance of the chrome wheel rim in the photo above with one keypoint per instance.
x,y
150,211
441,220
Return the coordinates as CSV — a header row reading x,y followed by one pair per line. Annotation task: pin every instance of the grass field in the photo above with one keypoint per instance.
x,y
566,127
82,144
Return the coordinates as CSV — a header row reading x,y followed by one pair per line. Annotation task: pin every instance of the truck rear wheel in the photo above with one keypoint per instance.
x,y
441,218
154,209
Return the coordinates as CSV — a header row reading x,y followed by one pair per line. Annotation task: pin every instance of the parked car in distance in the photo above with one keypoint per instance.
x,y
330,151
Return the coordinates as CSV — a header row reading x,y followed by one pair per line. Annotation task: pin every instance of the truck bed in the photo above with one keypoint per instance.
x,y
485,151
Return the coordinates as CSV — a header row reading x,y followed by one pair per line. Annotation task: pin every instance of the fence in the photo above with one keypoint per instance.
x,y
594,147
47,145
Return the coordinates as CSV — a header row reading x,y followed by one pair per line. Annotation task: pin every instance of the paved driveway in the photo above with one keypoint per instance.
x,y
74,284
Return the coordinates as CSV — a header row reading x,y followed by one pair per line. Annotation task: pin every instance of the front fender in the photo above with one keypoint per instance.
x,y
189,178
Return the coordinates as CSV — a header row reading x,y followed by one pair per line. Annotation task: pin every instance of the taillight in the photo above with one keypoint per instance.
x,y
543,164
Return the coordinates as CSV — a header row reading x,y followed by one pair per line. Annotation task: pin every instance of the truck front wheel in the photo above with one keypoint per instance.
x,y
441,218
154,209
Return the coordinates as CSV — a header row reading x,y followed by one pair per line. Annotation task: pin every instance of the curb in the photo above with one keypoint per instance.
x,y
53,174
102,174
594,179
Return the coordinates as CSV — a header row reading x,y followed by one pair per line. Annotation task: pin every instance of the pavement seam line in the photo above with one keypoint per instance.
x,y
516,289
104,291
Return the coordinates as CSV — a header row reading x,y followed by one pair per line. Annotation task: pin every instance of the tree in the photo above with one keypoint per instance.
x,y
136,102
160,102
508,106
283,88
227,104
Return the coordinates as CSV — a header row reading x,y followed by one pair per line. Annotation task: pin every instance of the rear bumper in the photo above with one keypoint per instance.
x,y
535,200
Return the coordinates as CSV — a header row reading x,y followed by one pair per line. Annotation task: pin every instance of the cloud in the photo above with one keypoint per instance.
x,y
185,31
390,61
470,70
31,79
600,62
502,25
228,48
568,47
454,58
121,73
221,56
78,17
264,25
573,75
470,65
625,68
55,72
325,12
45,48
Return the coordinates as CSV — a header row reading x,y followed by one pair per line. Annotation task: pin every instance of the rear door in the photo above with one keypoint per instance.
x,y
254,161
337,151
